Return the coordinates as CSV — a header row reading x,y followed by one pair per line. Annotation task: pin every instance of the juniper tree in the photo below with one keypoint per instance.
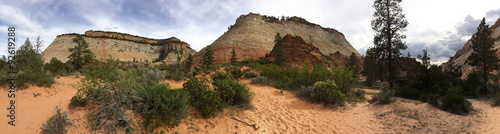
x,y
278,48
80,54
353,64
483,57
233,57
208,57
27,59
389,23
370,67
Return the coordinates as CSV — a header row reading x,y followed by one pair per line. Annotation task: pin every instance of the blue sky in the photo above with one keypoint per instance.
x,y
441,26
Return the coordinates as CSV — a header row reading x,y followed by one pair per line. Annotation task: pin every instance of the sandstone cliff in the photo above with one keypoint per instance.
x,y
121,46
460,58
296,50
252,36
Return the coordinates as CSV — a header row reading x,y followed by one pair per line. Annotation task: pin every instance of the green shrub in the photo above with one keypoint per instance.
x,y
209,103
424,97
383,97
408,92
232,93
260,80
237,73
77,101
221,76
195,86
160,105
39,79
455,104
56,124
328,92
360,94
56,67
150,75
251,75
101,72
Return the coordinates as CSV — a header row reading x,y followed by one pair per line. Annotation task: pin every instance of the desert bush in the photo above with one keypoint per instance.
x,y
56,124
101,72
232,93
328,92
383,97
260,80
77,101
455,104
56,67
150,75
221,76
360,94
112,116
195,86
408,92
40,79
160,105
237,73
251,75
209,103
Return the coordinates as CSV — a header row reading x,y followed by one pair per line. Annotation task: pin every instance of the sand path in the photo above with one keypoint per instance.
x,y
272,112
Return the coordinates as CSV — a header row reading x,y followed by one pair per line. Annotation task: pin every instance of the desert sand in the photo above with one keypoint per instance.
x,y
273,112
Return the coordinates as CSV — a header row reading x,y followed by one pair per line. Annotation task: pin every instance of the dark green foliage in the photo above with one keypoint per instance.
x,y
484,55
473,86
328,92
30,64
208,57
56,67
221,76
408,92
236,73
160,105
353,63
389,23
383,97
39,79
150,75
101,72
232,93
278,48
496,99
370,67
189,62
175,72
77,101
56,124
426,60
195,87
233,57
455,104
209,103
260,80
80,54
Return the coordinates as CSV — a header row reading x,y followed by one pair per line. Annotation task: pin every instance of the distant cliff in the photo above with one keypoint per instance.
x,y
121,46
252,36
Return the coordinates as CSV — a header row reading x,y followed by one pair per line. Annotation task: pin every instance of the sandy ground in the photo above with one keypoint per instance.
x,y
272,112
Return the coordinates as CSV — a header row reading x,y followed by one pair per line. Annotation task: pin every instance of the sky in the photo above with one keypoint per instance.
x,y
441,26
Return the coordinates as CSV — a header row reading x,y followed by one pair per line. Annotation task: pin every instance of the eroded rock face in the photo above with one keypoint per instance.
x,y
252,36
296,50
460,58
120,46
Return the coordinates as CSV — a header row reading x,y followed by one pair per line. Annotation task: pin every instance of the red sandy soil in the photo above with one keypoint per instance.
x,y
272,112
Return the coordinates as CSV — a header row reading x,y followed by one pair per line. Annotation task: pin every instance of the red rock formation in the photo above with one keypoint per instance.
x,y
296,50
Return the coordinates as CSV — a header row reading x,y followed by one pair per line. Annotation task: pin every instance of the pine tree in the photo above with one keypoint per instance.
x,y
426,60
208,57
38,45
80,54
233,57
483,57
388,23
278,48
353,64
27,59
370,67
